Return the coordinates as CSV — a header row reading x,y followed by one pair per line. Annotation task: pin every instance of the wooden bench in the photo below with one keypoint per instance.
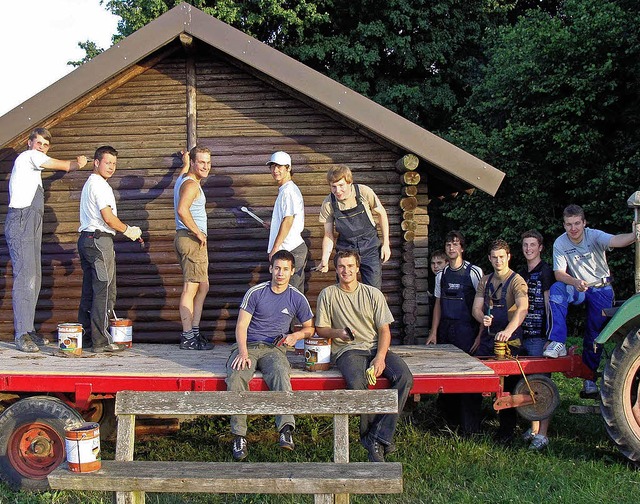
x,y
329,481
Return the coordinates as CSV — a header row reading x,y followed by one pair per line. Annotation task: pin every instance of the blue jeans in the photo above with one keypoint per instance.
x,y
596,299
353,364
275,368
300,255
534,346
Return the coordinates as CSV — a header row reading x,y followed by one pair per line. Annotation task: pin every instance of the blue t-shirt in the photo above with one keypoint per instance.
x,y
272,313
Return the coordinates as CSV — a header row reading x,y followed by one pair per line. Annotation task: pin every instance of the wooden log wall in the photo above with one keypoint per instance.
x,y
243,120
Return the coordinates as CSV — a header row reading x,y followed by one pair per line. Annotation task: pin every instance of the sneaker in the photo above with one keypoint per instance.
x,y
25,344
390,448
189,342
528,436
539,442
589,389
374,448
239,448
203,344
38,339
286,438
110,348
555,350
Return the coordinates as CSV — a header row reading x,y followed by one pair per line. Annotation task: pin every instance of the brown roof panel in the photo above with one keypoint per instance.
x,y
407,136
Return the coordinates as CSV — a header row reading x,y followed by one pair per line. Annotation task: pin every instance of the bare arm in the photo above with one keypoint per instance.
x,y
285,227
384,342
435,322
242,360
189,191
564,277
67,166
327,247
624,239
478,309
186,163
306,332
522,308
112,220
385,252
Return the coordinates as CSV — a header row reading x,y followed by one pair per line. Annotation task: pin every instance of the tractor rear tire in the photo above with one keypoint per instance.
x,y
620,406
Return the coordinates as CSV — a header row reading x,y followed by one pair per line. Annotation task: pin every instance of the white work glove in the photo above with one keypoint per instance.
x,y
133,232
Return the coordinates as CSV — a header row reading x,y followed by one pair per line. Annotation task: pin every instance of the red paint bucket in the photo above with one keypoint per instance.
x,y
121,331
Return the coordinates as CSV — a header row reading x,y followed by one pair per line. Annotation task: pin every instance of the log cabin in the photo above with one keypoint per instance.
x,y
188,78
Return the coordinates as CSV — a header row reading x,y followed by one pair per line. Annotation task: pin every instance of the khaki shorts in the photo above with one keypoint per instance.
x,y
194,259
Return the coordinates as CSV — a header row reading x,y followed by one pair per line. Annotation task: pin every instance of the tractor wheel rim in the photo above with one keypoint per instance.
x,y
631,398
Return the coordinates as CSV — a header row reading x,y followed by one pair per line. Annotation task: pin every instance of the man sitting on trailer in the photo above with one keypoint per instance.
x,y
501,305
356,318
264,319
582,274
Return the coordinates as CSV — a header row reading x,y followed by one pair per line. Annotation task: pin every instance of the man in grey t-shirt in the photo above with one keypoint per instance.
x,y
582,274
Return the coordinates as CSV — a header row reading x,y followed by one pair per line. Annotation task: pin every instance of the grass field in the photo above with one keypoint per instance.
x,y
580,465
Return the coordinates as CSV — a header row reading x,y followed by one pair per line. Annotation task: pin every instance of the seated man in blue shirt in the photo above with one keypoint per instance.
x,y
266,313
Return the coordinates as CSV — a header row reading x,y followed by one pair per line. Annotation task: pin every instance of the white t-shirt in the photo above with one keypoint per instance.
x,y
96,195
289,202
586,260
26,176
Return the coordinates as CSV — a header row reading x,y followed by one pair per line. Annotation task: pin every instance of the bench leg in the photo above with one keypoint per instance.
x,y
124,451
129,498
340,450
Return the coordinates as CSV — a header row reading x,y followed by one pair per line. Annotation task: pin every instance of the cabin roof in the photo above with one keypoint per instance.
x,y
456,167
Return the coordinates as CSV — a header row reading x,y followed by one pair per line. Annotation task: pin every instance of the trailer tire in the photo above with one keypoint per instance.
x,y
103,411
546,394
32,440
620,393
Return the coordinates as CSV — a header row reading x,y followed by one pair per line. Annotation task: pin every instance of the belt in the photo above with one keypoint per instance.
x,y
599,284
96,234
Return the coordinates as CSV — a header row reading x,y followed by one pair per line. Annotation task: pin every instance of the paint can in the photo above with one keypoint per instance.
x,y
121,331
70,338
317,354
83,447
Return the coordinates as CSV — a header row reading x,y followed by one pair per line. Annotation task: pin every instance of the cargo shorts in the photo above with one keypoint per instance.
x,y
194,259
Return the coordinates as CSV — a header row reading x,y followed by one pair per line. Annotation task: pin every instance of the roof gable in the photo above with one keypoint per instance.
x,y
184,18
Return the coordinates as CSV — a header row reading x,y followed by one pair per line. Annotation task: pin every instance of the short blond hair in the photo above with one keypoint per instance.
x,y
339,172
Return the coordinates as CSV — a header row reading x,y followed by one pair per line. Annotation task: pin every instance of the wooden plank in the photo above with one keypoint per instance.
x,y
324,402
220,477
164,360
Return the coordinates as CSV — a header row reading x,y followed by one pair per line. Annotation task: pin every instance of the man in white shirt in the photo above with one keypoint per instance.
x,y
287,219
23,232
98,225
582,274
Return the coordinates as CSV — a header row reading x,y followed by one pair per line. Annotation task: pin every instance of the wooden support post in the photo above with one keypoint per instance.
x,y
124,452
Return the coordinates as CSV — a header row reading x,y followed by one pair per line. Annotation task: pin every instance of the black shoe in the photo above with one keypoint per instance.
x,y
286,438
25,344
390,448
375,449
110,348
203,343
38,339
189,343
239,448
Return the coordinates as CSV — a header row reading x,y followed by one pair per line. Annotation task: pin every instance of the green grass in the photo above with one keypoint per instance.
x,y
580,465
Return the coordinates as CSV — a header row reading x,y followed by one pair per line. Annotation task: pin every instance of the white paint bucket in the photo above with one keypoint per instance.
x,y
70,338
83,447
317,354
121,331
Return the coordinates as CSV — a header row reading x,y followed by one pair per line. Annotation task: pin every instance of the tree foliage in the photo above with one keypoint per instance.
x,y
557,111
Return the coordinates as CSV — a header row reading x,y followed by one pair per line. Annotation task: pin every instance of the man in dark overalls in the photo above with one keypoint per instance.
x,y
501,305
453,323
349,210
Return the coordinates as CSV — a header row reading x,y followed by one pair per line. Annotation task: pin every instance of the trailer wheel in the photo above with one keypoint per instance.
x,y
103,411
546,395
620,406
32,440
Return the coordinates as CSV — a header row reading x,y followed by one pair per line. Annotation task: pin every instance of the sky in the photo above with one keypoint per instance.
x,y
38,37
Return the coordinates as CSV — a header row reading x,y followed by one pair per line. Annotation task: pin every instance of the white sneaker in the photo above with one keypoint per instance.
x,y
589,388
555,350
